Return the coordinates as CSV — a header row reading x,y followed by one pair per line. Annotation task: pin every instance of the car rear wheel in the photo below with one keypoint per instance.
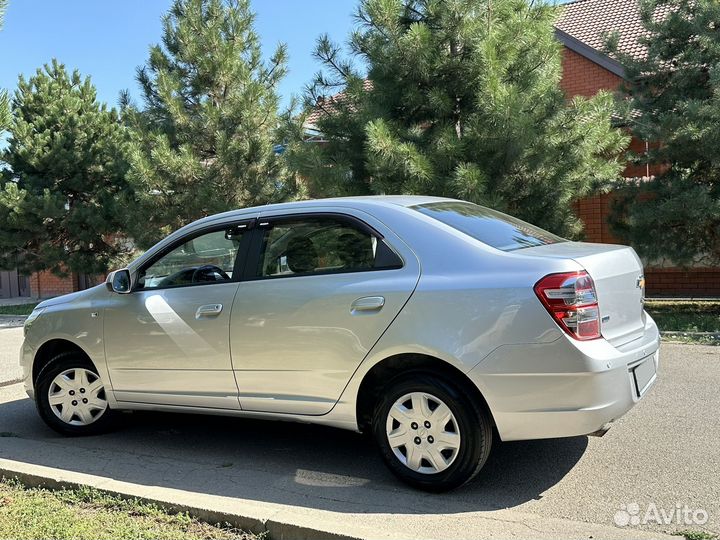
x,y
431,434
71,396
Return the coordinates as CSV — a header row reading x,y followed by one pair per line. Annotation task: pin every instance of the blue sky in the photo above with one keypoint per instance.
x,y
108,39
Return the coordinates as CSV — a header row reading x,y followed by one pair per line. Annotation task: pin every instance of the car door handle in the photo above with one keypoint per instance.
x,y
367,303
208,310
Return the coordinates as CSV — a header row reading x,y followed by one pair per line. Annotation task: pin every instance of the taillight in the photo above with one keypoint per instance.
x,y
571,299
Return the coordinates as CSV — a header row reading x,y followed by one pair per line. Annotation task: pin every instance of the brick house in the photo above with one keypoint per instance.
x,y
586,70
581,29
42,284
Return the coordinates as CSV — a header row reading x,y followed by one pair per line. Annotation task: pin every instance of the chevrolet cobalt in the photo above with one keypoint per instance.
x,y
427,322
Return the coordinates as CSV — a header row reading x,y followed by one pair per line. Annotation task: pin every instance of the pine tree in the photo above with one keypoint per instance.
x,y
4,101
205,139
464,101
675,103
59,198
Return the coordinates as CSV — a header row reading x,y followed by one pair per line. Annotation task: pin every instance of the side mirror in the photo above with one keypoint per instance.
x,y
119,281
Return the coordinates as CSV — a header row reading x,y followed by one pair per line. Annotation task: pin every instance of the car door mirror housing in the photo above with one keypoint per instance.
x,y
119,281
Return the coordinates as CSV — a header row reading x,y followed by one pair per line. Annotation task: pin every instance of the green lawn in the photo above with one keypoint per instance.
x,y
21,309
698,535
685,316
89,514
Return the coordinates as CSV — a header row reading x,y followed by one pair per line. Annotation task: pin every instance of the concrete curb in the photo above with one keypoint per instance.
x,y
285,522
254,518
672,333
671,299
708,339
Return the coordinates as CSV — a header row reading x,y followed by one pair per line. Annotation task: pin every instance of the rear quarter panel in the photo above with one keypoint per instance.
x,y
470,300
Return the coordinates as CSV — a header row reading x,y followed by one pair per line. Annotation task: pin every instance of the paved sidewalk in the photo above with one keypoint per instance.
x,y
10,341
664,452
12,321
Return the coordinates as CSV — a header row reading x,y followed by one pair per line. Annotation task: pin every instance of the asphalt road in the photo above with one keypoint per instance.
x,y
665,452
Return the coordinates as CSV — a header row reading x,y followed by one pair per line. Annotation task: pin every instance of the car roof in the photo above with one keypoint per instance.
x,y
359,203
356,202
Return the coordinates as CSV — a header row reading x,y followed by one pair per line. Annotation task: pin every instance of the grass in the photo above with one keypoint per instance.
x,y
698,535
20,309
687,316
84,513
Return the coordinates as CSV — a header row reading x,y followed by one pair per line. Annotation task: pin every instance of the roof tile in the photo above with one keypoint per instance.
x,y
590,21
330,104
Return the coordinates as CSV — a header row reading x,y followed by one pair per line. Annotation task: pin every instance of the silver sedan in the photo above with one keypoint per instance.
x,y
428,322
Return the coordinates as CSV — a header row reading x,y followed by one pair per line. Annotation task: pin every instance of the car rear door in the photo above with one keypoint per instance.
x,y
319,290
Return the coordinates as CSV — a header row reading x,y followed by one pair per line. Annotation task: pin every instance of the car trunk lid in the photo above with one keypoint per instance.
x,y
618,276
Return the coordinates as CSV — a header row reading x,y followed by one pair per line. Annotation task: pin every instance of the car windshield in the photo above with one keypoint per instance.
x,y
489,226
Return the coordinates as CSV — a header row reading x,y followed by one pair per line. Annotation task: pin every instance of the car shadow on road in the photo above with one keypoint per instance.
x,y
284,463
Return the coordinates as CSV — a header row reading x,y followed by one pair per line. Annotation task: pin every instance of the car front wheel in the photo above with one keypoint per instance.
x,y
431,434
71,396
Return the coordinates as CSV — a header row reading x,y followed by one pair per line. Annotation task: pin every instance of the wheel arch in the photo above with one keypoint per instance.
x,y
50,349
383,372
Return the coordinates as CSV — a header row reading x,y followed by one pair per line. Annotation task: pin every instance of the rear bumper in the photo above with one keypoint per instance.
x,y
563,388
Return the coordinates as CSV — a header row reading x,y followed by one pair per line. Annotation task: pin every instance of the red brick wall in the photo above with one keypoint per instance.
x,y
692,282
585,78
594,212
581,77
47,284
642,170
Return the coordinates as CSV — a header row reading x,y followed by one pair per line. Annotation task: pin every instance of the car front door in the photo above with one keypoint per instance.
x,y
166,342
320,290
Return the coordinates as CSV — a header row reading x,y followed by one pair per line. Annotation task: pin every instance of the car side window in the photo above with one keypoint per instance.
x,y
207,258
320,245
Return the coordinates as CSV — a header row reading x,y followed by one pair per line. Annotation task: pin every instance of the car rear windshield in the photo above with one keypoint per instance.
x,y
489,226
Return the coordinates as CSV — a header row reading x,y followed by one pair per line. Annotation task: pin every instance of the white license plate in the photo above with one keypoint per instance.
x,y
643,374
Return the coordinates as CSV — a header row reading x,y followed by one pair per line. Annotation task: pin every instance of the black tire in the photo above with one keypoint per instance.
x,y
473,421
56,366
